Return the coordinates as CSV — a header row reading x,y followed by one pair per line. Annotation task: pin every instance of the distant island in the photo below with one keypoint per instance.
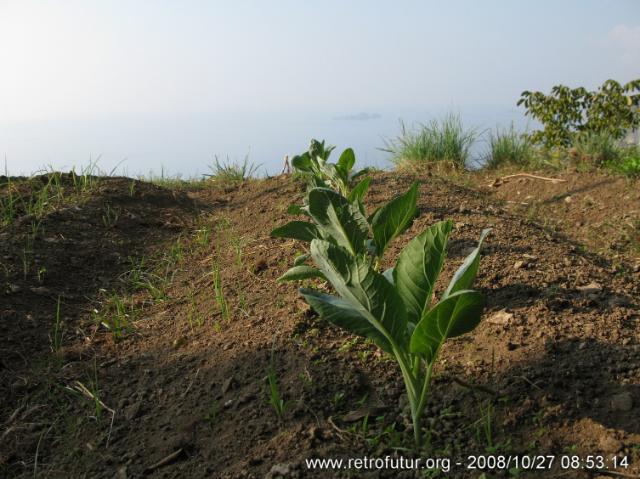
x,y
362,116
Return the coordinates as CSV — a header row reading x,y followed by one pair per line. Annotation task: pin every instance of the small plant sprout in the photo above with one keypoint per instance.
x,y
275,399
203,235
219,293
396,308
41,272
110,216
56,336
117,316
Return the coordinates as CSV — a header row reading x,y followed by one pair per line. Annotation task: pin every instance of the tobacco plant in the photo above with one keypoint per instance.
x,y
396,308
314,165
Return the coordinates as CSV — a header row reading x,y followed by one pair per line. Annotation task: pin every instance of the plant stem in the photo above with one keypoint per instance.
x,y
421,403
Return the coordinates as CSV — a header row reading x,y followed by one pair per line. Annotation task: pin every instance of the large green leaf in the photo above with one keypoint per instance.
x,y
302,162
300,230
453,316
418,268
363,288
346,161
300,272
299,260
467,272
341,313
339,219
393,218
358,191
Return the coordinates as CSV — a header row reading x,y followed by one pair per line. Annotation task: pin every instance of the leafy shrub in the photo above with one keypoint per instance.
x,y
612,110
394,308
628,163
314,165
442,141
508,147
596,148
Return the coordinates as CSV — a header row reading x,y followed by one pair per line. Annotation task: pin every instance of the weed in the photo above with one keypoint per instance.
x,y
338,400
211,415
56,336
41,272
508,147
193,315
203,236
275,399
110,216
238,244
117,316
219,293
230,172
444,140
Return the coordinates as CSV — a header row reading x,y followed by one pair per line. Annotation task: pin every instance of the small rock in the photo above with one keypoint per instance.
x,y
41,290
133,411
226,385
568,199
592,287
371,410
280,470
621,402
518,264
502,317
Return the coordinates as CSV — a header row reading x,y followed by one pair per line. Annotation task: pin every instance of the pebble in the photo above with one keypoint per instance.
x,y
502,317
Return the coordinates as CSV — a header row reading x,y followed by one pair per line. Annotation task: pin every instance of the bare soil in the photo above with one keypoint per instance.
x,y
554,367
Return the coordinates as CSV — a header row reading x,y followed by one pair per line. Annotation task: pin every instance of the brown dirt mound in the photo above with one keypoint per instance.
x,y
598,210
559,344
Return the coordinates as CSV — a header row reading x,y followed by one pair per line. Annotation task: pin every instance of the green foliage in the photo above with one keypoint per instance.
x,y
275,398
612,110
230,172
394,309
440,141
338,221
508,147
319,172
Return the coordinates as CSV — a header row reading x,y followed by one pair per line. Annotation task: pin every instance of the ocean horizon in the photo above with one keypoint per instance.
x,y
185,145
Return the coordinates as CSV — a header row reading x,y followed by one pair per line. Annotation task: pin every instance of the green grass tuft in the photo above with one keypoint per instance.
x,y
508,147
440,141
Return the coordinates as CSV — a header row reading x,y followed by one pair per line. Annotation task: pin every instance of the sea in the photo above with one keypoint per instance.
x,y
187,144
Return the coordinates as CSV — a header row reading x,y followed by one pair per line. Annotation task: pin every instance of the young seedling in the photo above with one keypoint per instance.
x,y
41,272
219,293
275,399
56,336
110,216
117,316
203,236
395,309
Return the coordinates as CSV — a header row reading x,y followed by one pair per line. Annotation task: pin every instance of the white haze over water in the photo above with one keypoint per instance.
x,y
186,144
166,85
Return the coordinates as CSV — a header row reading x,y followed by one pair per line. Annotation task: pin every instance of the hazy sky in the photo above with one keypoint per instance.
x,y
81,60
